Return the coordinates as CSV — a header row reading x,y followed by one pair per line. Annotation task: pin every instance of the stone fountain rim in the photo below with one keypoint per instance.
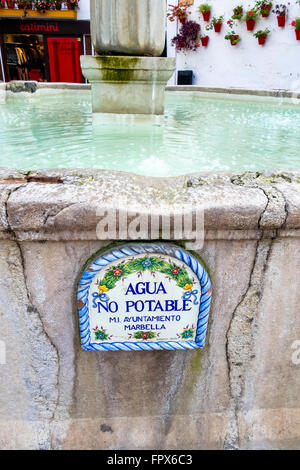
x,y
61,204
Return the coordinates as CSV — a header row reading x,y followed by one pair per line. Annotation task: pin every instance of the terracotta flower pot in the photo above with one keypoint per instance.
x,y
236,36
281,21
204,41
206,15
297,31
218,27
250,25
266,7
262,40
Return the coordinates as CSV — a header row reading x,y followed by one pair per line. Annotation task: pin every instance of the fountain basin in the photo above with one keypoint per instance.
x,y
53,128
242,389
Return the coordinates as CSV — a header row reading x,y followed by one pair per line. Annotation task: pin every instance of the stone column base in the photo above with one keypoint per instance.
x,y
128,85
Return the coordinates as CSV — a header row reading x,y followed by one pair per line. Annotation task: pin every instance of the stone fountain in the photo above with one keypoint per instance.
x,y
128,76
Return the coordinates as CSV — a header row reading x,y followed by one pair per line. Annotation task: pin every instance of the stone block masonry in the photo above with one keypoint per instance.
x,y
241,391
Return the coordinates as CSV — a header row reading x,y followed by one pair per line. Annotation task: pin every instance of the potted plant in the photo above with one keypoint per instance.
x,y
2,3
238,13
204,40
262,35
57,4
178,11
41,5
72,4
250,18
188,37
11,4
281,12
205,9
264,8
24,4
296,25
232,36
216,23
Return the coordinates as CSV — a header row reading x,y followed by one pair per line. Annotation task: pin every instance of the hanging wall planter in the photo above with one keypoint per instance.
x,y
281,21
235,39
204,40
205,9
250,18
281,13
232,36
179,12
265,9
262,40
237,13
262,36
250,25
216,24
296,25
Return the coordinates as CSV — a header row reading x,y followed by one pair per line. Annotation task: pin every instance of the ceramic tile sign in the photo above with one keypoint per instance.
x,y
142,297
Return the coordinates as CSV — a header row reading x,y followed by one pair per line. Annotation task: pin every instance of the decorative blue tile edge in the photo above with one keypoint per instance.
x,y
134,249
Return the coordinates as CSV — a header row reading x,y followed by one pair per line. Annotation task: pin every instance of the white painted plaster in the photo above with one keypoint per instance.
x,y
248,65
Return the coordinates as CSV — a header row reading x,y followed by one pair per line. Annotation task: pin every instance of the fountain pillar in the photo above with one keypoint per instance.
x,y
128,76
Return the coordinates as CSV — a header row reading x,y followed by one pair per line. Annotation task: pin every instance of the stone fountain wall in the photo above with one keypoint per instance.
x,y
240,391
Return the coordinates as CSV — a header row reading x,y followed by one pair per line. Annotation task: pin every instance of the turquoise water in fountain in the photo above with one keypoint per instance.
x,y
199,133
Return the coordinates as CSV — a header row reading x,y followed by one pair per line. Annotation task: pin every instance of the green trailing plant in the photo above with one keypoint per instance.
x,y
263,7
232,36
296,23
262,33
238,12
215,20
204,7
250,15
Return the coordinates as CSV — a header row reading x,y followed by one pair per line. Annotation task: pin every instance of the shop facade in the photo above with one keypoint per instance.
x,y
43,49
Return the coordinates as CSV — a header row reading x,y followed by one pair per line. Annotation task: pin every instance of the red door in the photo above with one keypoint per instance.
x,y
64,60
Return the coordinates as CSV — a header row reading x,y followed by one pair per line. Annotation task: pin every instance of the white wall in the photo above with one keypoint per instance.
x,y
84,10
276,65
